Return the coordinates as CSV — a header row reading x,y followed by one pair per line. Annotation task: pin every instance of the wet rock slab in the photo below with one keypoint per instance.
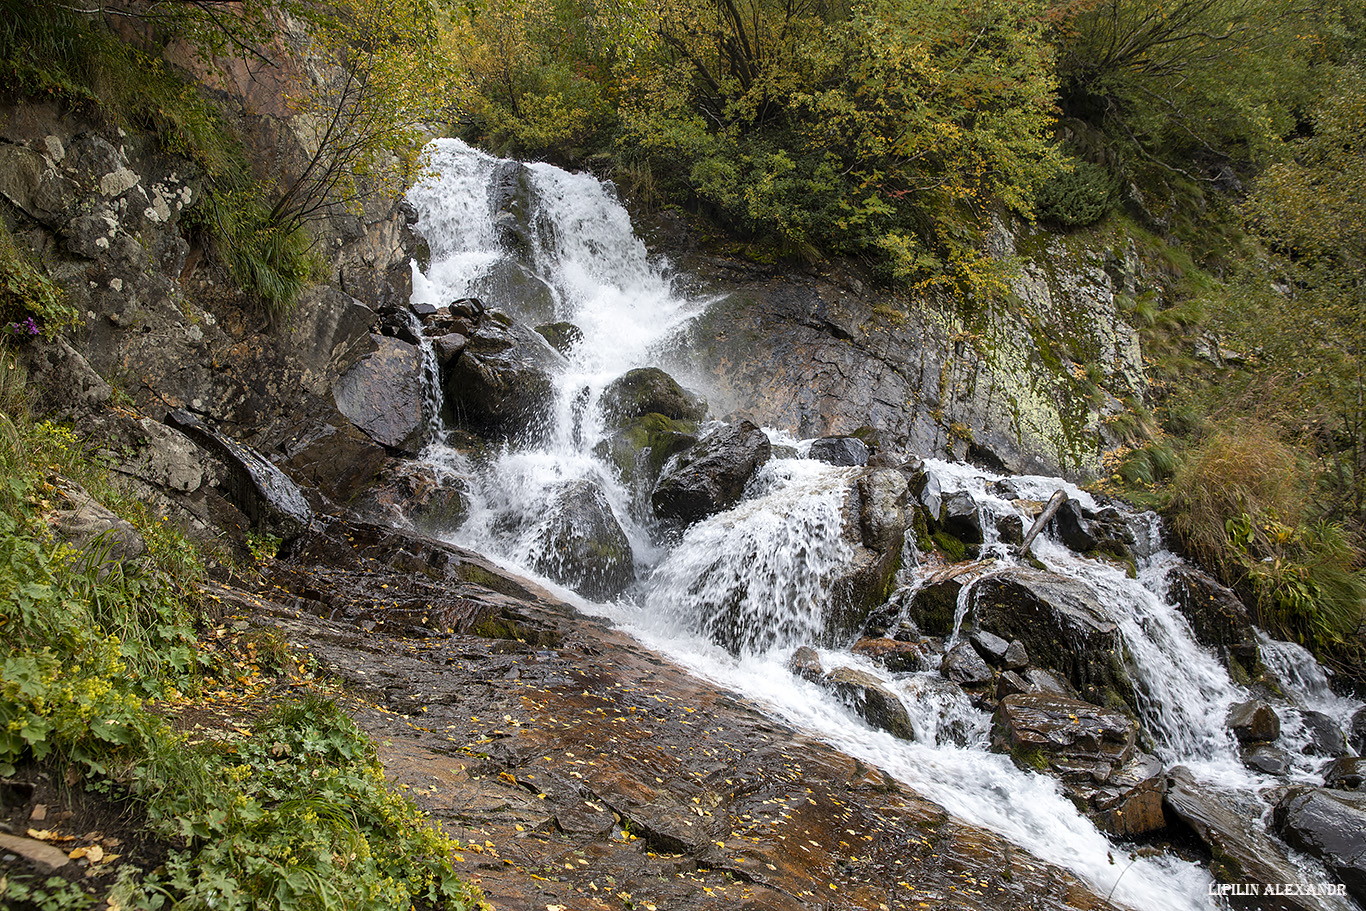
x,y
580,770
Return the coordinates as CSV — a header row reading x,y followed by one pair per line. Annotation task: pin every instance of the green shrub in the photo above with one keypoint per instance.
x,y
1077,197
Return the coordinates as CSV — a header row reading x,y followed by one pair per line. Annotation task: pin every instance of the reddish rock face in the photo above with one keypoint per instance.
x,y
580,770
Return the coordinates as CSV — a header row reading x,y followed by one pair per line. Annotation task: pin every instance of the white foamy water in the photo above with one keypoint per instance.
x,y
734,597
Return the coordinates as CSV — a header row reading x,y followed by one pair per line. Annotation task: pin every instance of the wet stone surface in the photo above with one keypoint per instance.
x,y
578,769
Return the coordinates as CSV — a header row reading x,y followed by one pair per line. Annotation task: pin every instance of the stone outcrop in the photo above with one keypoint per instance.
x,y
1217,617
835,358
1091,751
382,395
649,390
1062,624
501,384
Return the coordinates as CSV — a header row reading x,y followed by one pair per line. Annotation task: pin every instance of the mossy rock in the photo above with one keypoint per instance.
x,y
649,390
640,447
561,336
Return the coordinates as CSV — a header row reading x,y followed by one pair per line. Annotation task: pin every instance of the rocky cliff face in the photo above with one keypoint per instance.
x,y
1024,384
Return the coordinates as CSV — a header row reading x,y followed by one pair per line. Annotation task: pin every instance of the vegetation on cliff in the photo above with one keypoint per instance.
x,y
106,664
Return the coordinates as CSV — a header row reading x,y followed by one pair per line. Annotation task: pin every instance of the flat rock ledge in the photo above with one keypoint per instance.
x,y
580,770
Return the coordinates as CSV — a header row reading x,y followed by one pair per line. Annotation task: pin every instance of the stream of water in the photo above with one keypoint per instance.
x,y
760,573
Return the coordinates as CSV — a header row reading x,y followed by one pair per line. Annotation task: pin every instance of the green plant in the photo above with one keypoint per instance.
x,y
29,301
1079,196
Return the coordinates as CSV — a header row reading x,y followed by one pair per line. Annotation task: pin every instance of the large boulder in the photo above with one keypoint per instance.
x,y
90,527
1356,731
582,545
649,390
710,476
640,447
874,525
1062,625
1329,825
1241,852
502,382
1217,617
383,395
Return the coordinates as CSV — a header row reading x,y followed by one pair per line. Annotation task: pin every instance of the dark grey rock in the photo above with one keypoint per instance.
x,y
1329,825
805,663
866,695
649,390
582,545
1325,737
1072,528
710,476
962,665
1356,731
849,451
501,384
1242,852
1265,758
1062,624
561,336
990,646
1346,773
1218,618
1010,528
1254,722
383,395
960,516
1016,656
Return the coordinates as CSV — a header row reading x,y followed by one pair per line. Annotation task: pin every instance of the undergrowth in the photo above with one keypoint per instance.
x,y
98,654
59,53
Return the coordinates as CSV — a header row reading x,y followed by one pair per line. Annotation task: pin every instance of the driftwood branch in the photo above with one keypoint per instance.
x,y
1054,504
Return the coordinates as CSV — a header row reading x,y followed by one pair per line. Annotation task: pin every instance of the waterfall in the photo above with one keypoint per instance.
x,y
737,593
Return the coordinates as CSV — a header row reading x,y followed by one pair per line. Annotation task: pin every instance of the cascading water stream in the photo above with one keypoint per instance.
x,y
758,577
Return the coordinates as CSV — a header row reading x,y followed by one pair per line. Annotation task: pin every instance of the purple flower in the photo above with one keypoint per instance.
x,y
27,327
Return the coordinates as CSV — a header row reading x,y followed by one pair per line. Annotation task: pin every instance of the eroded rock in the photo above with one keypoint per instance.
x,y
710,476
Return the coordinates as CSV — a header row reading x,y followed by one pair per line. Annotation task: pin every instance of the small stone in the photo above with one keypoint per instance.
x,y
1265,758
990,646
1254,722
805,663
964,666
1016,656
1346,773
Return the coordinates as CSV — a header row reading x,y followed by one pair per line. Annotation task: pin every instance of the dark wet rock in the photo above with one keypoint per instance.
x,y
1356,731
1241,852
1329,825
1011,683
501,383
511,285
640,447
895,656
1218,618
649,390
1010,528
847,451
1346,773
582,544
1129,803
263,493
805,663
964,666
873,522
990,646
1062,624
1325,737
1254,722
1091,751
336,458
960,516
1016,656
561,336
1040,730
416,494
873,702
1072,528
383,395
448,347
934,604
1042,680
1265,758
710,476
90,527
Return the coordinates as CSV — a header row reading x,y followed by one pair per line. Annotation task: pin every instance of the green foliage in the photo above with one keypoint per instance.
x,y
295,816
1079,196
29,300
1241,504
